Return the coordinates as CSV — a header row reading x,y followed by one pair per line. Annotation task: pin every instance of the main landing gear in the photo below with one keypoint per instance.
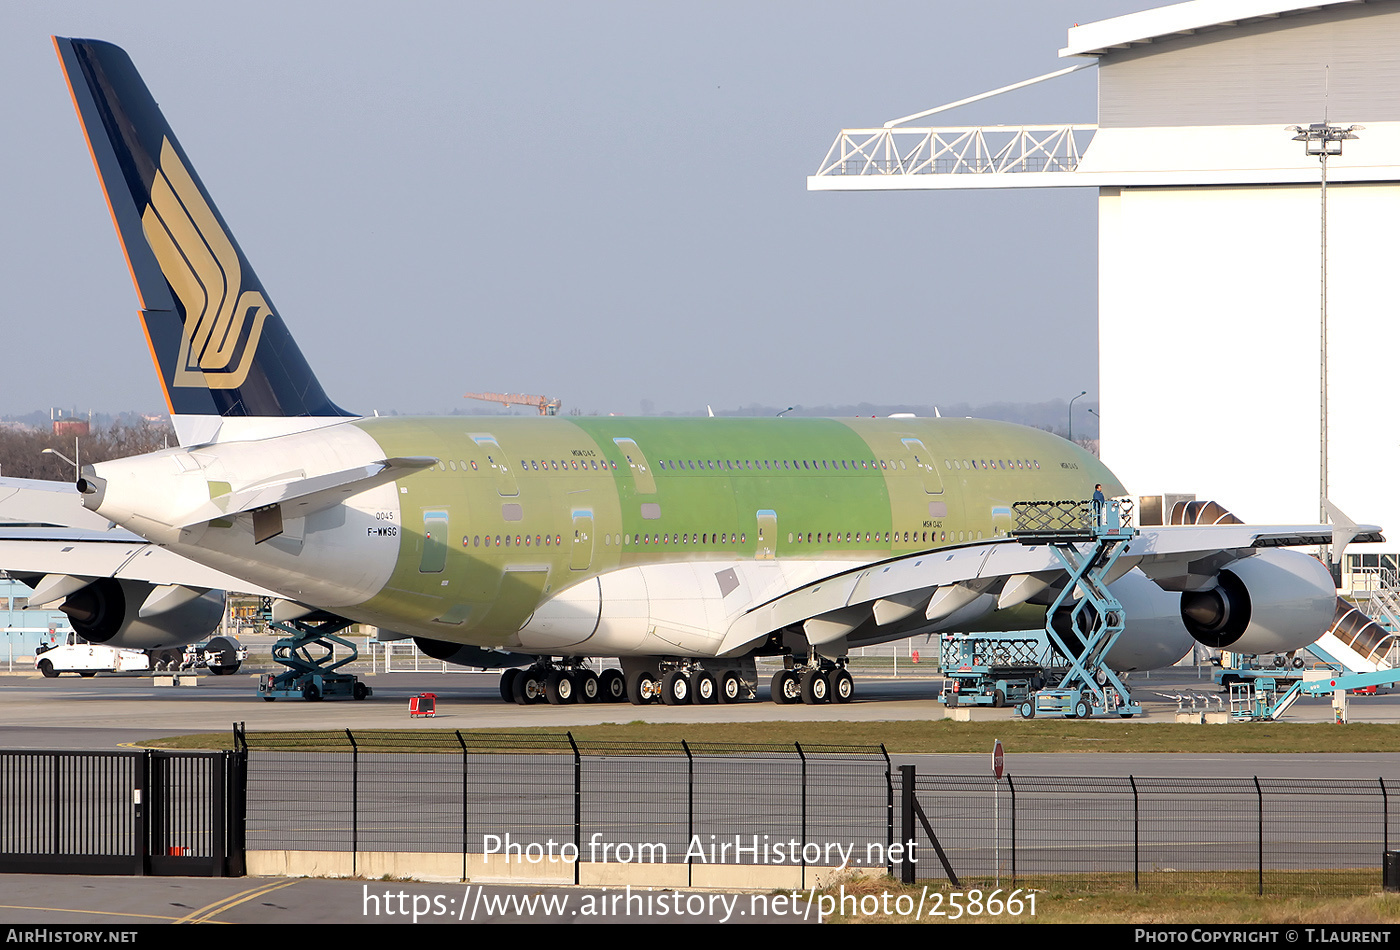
x,y
827,683
672,681
560,684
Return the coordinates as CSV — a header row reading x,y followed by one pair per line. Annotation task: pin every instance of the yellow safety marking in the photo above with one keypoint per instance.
x,y
203,915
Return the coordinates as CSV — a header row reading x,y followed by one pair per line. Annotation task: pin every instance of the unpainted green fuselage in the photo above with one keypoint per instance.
x,y
521,508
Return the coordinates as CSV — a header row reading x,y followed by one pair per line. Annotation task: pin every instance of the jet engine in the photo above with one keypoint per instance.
x,y
141,616
1272,602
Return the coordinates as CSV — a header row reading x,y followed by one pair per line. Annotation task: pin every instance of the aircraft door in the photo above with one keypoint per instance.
x,y
500,465
924,465
641,468
435,526
767,535
581,554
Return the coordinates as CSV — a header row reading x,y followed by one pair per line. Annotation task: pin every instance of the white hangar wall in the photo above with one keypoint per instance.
x,y
1209,334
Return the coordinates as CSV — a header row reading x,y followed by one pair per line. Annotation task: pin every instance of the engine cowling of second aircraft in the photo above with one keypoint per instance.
x,y
1272,602
108,611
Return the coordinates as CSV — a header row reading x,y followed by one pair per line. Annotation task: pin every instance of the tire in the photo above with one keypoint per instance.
x,y
528,688
703,688
559,688
612,686
1027,710
786,688
814,688
998,699
311,693
47,669
360,691
643,688
675,689
508,685
586,687
842,686
1081,710
731,688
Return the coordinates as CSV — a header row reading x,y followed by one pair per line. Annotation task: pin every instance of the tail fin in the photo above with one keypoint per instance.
x,y
218,345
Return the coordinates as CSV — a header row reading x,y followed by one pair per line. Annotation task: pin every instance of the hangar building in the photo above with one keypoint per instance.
x,y
1210,240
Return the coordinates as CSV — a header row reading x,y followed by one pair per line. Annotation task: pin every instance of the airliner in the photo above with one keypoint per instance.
x,y
684,548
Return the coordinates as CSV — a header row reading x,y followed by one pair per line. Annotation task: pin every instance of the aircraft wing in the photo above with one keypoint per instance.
x,y
931,590
78,553
45,532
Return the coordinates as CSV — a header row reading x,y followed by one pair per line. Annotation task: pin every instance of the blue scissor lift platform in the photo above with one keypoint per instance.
x,y
991,671
1088,539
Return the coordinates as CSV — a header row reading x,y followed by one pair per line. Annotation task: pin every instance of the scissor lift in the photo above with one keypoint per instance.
x,y
311,677
1087,538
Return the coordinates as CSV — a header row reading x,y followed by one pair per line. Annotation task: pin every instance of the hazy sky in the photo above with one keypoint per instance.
x,y
603,202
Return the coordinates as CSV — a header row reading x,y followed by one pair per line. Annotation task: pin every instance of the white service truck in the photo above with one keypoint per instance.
x,y
89,659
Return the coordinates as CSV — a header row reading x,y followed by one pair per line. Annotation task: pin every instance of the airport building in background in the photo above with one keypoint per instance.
x,y
1210,244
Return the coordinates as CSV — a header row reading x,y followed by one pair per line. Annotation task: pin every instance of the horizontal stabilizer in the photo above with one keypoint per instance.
x,y
303,496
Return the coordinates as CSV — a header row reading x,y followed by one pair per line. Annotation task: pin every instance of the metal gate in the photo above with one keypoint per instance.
x,y
178,813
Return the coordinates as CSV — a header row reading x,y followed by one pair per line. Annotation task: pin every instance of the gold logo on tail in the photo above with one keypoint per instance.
x,y
223,322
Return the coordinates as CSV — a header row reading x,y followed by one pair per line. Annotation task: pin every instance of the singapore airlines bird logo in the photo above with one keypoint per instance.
x,y
223,322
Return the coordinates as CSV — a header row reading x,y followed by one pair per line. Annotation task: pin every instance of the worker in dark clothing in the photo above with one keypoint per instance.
x,y
1098,505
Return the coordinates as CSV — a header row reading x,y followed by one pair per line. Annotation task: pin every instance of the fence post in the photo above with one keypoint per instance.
x,y
1385,817
578,803
1137,835
354,803
466,846
803,756
1011,784
889,810
906,821
1259,794
689,813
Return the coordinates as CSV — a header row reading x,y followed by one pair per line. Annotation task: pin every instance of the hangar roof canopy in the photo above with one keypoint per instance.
x,y
1180,19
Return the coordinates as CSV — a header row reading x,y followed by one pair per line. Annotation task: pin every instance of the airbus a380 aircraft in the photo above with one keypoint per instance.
x,y
683,547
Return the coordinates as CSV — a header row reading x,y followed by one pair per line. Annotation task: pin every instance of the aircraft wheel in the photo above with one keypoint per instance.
x,y
675,689
731,688
612,686
587,687
559,688
643,687
1027,710
528,688
703,686
786,687
508,685
814,688
843,687
47,669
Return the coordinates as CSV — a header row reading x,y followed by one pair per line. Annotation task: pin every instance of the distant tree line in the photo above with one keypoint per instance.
x,y
21,447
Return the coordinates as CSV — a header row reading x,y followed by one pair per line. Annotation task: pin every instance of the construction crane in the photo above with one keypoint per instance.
x,y
546,406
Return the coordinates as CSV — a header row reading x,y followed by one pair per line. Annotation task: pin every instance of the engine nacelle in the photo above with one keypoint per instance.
x,y
1153,637
109,611
1273,602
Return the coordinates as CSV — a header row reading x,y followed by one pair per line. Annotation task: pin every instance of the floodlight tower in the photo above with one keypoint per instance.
x,y
1322,139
